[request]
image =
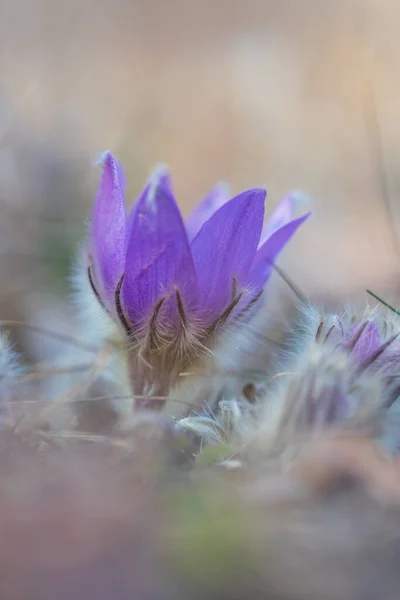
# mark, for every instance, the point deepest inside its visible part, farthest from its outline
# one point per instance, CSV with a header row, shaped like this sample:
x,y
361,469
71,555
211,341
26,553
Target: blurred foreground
x,y
102,522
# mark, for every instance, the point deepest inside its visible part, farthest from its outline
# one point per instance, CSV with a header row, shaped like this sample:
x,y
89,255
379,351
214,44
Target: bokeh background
x,y
287,94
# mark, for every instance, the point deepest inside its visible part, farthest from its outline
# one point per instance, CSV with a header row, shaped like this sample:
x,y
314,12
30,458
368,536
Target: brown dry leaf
x,y
330,460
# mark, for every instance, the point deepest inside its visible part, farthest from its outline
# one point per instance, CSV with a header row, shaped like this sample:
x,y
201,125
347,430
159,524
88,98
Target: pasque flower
x,y
370,338
174,287
344,365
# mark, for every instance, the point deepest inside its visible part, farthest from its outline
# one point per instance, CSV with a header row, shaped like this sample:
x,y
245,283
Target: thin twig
x,y
290,283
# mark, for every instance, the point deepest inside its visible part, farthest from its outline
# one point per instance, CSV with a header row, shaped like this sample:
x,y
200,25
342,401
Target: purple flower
x,y
362,340
324,389
173,286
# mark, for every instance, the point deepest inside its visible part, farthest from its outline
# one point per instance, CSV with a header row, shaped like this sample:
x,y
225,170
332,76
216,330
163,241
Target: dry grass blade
x,y
80,388
375,136
87,437
52,373
222,372
61,337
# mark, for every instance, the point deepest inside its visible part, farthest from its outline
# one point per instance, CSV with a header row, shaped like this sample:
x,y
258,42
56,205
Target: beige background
x,y
256,92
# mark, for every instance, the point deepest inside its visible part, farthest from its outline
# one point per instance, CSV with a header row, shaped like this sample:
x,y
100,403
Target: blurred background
x,y
284,94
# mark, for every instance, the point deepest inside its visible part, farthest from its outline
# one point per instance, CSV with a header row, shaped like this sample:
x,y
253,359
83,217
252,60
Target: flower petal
x,y
224,249
215,198
132,210
108,229
158,255
159,170
263,263
368,343
282,215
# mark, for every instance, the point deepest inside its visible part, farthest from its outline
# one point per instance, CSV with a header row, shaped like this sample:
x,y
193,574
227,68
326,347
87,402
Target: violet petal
x,y
158,255
215,198
132,210
224,249
108,229
282,215
369,342
262,266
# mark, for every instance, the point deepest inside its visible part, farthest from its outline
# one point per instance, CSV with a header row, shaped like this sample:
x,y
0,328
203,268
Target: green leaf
x,y
215,454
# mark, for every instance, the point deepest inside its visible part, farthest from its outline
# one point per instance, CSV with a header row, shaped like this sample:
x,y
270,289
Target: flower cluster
x,y
370,338
173,287
342,371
